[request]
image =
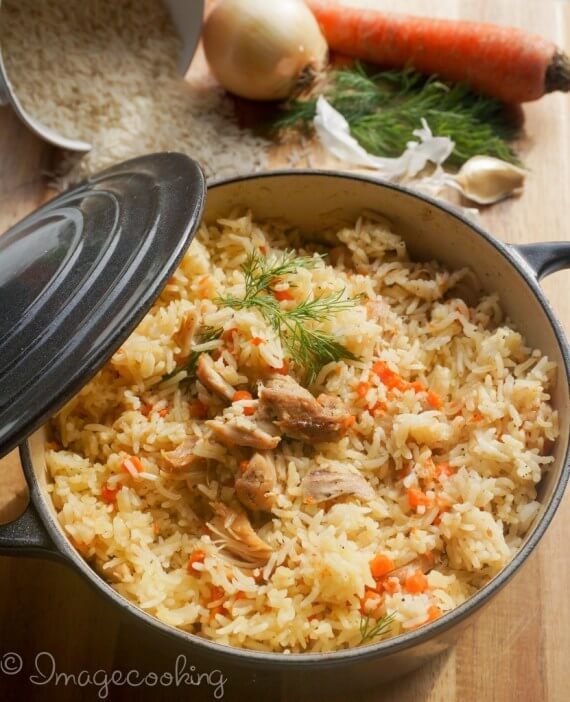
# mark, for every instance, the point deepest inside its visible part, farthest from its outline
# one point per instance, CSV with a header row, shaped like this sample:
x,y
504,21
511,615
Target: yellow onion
x,y
258,49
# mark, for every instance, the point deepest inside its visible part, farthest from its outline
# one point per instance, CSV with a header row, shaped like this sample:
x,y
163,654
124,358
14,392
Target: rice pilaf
x,y
395,481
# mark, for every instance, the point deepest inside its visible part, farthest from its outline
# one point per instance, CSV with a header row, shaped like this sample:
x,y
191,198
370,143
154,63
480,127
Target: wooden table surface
x,y
519,647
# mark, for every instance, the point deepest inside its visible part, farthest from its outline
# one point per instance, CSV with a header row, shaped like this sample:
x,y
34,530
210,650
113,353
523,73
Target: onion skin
x,y
258,49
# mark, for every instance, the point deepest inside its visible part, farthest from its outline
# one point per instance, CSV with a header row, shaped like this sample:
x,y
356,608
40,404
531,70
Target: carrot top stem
x,y
558,73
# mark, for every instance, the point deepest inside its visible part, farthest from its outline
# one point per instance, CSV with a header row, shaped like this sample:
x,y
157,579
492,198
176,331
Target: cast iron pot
x,y
315,201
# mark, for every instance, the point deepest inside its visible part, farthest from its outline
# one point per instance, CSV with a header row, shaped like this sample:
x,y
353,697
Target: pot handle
x,y
545,258
27,536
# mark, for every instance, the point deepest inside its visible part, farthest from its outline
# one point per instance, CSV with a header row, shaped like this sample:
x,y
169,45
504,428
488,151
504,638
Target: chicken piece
x,y
237,536
211,379
185,334
300,415
423,562
181,457
254,489
326,484
241,431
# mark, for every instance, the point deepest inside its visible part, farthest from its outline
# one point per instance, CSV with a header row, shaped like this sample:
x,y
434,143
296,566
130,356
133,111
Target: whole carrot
x,y
507,63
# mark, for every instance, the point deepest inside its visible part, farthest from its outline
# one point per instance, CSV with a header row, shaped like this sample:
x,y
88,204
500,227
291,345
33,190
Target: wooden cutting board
x,y
518,649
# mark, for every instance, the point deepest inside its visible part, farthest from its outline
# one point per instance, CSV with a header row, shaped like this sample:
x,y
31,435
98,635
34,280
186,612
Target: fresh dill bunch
x,y
207,334
261,273
310,348
383,109
369,631
313,348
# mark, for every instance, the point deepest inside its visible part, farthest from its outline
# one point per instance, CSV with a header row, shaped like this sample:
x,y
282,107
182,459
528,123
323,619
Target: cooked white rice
x,y
491,434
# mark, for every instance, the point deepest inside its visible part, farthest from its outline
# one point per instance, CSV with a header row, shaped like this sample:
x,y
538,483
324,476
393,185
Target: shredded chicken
x,y
325,484
300,415
242,431
255,488
211,379
237,536
185,334
181,457
423,563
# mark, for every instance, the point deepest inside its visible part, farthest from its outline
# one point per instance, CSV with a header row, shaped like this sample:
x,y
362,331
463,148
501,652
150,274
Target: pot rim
x,y
277,660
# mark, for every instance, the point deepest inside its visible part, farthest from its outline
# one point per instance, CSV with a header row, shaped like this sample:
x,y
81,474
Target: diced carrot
x,y
434,400
417,386
240,395
163,412
390,585
434,612
108,494
198,410
196,557
370,601
131,465
444,506
228,334
388,377
146,409
282,295
349,421
477,417
416,498
216,593
378,409
256,341
362,388
205,287
406,470
381,565
243,466
240,595
248,411
416,583
216,610
442,470
284,370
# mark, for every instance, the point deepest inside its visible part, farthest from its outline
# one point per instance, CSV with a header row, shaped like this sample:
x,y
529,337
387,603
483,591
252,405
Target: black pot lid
x,y
78,275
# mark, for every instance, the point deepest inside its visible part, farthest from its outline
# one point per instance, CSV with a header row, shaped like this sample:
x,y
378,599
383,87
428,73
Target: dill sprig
x,y
383,109
382,626
310,348
207,334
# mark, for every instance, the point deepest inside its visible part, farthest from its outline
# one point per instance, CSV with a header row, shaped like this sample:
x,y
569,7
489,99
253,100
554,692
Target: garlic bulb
x,y
257,49
485,180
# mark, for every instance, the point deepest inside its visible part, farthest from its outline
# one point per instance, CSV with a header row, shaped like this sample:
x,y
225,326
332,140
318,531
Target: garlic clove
x,y
485,180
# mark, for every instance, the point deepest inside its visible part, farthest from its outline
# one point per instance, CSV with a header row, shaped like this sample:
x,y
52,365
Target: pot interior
x,y
316,202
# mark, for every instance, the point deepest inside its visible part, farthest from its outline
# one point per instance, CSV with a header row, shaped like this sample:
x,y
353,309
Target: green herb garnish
x,y
370,631
207,334
310,348
383,109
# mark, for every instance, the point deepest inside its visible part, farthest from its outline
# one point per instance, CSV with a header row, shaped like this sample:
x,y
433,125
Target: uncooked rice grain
x,y
106,73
